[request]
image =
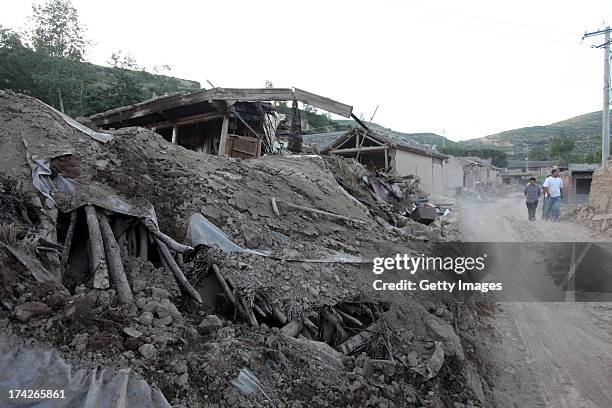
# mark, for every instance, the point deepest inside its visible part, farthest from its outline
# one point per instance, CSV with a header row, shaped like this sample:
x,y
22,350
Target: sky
x,y
465,69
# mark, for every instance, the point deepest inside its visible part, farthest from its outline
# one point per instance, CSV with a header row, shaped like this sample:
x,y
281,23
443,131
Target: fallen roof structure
x,y
221,121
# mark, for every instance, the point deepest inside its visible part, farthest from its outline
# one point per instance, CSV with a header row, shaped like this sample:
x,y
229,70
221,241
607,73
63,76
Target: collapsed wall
x,y
294,305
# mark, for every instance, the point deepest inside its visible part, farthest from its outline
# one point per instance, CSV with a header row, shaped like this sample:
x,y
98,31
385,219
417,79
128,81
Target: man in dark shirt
x,y
532,195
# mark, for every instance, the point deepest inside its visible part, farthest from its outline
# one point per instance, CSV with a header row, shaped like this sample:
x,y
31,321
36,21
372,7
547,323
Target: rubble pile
x,y
219,281
597,213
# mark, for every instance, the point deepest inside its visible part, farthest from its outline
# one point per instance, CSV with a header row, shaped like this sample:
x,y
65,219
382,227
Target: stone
x,y
159,294
252,238
132,332
412,358
148,351
167,308
29,310
210,323
141,302
440,312
138,285
146,318
183,380
163,322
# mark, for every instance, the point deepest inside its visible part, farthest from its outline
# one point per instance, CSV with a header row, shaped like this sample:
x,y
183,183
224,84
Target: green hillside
x,y
584,130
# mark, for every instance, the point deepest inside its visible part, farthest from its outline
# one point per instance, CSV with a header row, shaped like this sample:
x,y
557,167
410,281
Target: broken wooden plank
x,y
99,268
323,102
358,340
359,149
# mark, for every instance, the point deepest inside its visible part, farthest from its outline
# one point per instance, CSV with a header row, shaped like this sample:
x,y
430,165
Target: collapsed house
x,y
477,170
220,121
217,281
438,173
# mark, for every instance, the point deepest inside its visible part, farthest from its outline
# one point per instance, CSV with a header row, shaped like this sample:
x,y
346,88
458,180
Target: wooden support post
x,y
175,133
223,139
143,242
74,215
113,258
386,159
98,259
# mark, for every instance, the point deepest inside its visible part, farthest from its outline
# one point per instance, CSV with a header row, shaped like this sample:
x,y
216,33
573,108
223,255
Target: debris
x,y
248,384
210,324
29,310
132,332
148,351
424,215
431,369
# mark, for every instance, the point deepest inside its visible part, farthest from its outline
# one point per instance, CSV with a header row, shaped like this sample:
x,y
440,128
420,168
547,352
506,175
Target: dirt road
x,y
552,354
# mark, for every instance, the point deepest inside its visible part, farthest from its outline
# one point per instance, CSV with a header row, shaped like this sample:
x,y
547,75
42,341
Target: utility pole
x,y
605,127
526,156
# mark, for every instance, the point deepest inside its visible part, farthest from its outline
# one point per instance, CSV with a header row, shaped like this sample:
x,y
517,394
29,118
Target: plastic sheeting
x,y
38,369
203,232
99,136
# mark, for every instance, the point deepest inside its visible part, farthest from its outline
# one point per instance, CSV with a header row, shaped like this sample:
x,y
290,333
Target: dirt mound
x,y
312,333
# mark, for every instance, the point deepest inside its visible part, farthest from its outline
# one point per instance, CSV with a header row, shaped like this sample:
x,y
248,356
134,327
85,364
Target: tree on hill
x,y
58,38
561,148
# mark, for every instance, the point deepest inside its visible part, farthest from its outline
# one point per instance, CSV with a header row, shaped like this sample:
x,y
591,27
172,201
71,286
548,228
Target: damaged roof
x,y
179,104
392,141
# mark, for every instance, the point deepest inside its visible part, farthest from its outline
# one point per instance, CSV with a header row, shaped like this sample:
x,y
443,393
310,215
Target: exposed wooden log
x,y
170,264
279,315
169,241
74,216
223,283
291,329
323,103
115,266
274,206
346,316
358,340
99,268
320,212
143,242
191,120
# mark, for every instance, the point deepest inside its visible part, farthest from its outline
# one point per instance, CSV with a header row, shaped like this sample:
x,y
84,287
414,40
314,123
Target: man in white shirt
x,y
553,189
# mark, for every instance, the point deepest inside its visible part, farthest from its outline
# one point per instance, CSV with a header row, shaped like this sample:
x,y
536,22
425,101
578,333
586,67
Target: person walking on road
x,y
553,189
532,196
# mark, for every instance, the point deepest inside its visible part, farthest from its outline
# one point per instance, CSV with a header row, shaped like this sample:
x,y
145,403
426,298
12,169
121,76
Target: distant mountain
x,y
585,130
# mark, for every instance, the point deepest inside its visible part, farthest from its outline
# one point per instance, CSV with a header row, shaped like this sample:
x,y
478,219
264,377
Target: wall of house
x,y
453,175
430,170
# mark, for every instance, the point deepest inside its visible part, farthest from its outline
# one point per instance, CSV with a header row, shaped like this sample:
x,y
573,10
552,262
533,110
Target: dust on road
x,y
553,354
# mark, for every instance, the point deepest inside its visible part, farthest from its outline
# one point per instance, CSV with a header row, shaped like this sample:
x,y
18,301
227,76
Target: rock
x,y
167,308
252,238
159,294
183,380
151,306
412,358
80,289
79,342
162,322
132,332
209,324
148,351
141,302
444,332
385,367
440,312
146,318
29,310
138,285
286,288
